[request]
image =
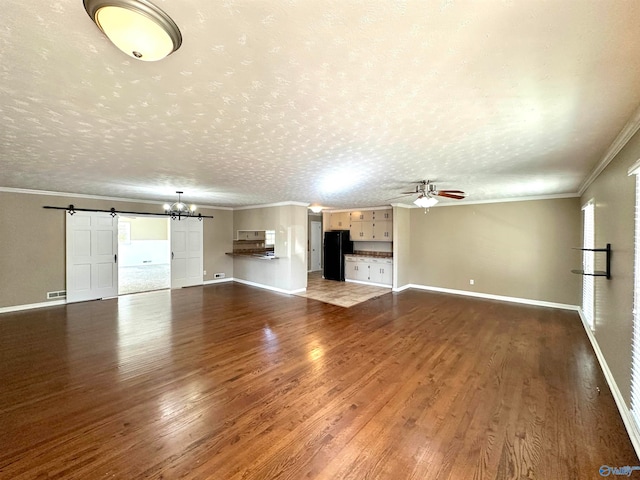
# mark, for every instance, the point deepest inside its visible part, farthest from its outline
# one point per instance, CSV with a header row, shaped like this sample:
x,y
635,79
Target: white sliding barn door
x,y
92,249
186,253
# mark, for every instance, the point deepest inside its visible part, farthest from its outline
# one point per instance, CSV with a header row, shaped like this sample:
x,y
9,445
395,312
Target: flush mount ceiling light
x,y
316,209
137,27
179,209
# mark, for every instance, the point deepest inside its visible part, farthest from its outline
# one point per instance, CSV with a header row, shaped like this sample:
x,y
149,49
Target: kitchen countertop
x,y
258,256
388,256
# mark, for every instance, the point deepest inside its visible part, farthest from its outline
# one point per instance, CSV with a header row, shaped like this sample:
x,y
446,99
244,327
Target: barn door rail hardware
x,y
71,209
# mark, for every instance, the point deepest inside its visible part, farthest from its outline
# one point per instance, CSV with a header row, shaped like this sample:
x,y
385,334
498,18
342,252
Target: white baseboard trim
x,y
625,413
220,280
489,296
373,284
29,306
402,288
269,287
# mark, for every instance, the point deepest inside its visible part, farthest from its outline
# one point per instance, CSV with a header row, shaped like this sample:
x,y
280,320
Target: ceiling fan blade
x,y
406,194
450,195
453,191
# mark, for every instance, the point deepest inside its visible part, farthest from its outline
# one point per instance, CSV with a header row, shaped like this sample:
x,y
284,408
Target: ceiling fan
x,y
427,193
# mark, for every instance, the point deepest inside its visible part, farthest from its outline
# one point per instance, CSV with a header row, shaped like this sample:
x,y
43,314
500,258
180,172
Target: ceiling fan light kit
x,y
427,193
137,27
424,201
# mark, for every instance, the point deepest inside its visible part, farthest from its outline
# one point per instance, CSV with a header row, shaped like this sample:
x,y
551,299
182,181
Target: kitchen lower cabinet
x,y
381,271
369,269
356,268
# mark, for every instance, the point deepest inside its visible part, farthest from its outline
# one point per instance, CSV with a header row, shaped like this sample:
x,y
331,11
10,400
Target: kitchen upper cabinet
x,y
340,221
383,230
363,216
251,235
363,225
362,231
386,215
372,226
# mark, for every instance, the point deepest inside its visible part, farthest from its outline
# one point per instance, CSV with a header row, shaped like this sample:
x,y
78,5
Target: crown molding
x,y
94,197
635,168
628,131
500,200
278,204
338,210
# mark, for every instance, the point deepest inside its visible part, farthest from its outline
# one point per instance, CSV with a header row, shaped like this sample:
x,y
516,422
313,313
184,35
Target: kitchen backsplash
x,y
373,246
370,253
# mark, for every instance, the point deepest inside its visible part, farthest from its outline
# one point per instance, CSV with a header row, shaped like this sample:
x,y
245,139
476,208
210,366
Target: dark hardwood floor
x,y
232,382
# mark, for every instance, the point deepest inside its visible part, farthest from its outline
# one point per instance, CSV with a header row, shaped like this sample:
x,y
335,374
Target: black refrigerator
x,y
336,245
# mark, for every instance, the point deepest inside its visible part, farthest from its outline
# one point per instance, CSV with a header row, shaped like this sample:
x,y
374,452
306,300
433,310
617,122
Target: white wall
x,y
144,252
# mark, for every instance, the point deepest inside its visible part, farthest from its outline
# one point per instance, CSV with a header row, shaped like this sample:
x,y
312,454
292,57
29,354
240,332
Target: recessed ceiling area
x,y
331,102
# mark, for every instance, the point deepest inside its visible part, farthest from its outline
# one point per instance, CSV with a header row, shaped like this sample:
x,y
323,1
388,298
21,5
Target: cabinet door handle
x,y
115,258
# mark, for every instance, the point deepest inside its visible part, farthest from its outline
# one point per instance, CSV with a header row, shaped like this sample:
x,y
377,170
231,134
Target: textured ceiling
x,y
334,102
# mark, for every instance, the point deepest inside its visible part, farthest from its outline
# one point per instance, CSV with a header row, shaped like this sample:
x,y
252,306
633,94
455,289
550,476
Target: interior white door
x,y
316,246
92,253
186,253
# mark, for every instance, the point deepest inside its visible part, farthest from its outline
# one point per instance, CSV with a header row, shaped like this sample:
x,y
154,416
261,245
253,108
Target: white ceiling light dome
x,y
425,201
137,27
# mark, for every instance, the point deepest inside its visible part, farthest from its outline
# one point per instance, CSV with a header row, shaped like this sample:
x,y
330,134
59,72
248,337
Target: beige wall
x,y
32,244
218,238
614,195
401,246
289,271
514,249
146,228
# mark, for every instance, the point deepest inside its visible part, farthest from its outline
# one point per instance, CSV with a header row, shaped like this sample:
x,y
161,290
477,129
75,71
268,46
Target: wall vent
x,y
59,294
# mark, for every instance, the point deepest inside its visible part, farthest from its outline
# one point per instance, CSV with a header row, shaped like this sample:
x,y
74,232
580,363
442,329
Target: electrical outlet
x,y
472,282
205,273
218,275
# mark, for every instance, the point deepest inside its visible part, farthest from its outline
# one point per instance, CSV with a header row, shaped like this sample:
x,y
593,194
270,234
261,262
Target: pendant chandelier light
x,y
137,27
179,209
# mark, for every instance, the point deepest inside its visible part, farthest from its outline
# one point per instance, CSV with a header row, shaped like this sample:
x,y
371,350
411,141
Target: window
x,y
124,233
270,238
635,343
588,262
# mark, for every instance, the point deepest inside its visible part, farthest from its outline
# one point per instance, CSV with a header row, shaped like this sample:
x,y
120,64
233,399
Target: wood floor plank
x,y
232,382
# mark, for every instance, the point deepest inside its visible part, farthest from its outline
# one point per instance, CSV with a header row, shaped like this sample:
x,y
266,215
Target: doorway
x,y
144,252
316,246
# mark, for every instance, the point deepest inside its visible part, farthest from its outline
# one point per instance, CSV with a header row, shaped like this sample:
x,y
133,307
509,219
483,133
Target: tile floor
x,y
343,294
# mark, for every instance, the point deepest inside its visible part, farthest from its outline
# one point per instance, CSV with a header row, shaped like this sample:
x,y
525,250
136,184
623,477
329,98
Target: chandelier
x,y
179,209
